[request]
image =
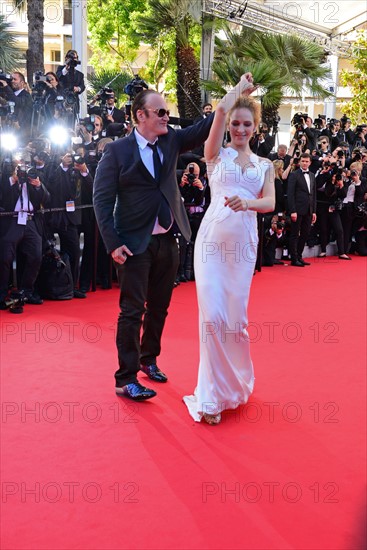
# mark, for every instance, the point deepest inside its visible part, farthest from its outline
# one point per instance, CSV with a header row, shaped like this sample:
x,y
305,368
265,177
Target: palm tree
x,y
9,52
279,63
35,51
100,79
164,17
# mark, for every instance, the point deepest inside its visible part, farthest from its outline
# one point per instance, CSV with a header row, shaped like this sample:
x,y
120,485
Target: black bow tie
x,y
306,172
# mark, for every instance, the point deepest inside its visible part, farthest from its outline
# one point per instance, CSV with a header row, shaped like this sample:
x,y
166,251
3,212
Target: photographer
x,y
193,187
311,133
53,90
360,136
281,154
66,186
71,79
356,190
90,129
336,191
21,192
262,142
17,92
273,239
107,107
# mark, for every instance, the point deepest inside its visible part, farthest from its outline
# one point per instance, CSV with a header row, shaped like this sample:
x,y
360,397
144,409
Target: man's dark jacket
x,y
126,196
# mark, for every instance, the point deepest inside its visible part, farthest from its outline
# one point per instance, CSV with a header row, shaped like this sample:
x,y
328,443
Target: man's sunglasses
x,y
159,112
323,142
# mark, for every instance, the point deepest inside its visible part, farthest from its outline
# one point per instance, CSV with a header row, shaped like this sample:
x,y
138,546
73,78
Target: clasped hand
x,y
236,203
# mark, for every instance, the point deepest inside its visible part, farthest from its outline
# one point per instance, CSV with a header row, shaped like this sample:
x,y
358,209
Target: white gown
x,y
225,257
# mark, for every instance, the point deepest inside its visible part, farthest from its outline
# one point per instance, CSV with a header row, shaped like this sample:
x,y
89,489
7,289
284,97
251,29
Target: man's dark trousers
x,y
146,283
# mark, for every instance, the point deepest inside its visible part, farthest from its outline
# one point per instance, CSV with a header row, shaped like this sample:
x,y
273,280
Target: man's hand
x,y
294,216
120,254
81,167
35,182
67,160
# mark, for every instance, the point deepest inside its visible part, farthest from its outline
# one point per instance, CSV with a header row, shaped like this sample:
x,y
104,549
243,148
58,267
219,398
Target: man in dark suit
x,y
136,200
17,93
22,231
67,186
71,79
302,208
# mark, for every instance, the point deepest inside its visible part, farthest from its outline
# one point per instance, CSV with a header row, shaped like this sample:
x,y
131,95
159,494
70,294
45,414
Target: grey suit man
x,y
135,189
302,208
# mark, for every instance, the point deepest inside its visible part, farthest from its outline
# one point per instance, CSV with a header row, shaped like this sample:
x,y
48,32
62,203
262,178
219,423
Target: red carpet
x,y
84,469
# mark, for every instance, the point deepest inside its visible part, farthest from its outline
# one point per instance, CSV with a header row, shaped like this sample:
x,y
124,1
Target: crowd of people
x,y
46,188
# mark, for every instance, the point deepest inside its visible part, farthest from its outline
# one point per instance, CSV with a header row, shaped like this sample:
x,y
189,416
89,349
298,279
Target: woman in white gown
x,y
241,184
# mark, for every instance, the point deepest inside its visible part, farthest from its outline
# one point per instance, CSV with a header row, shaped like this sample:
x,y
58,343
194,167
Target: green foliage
x,y
113,39
9,52
103,77
279,64
356,79
174,35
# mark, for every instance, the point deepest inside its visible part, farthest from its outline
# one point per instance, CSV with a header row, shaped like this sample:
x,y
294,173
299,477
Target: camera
x,y
39,85
362,210
8,110
102,96
88,123
340,154
353,173
344,120
297,119
191,176
318,122
5,77
338,204
72,62
24,172
78,159
135,86
66,102
15,302
280,221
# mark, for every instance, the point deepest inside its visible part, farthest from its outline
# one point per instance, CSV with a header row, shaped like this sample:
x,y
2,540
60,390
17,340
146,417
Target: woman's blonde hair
x,y
246,102
278,165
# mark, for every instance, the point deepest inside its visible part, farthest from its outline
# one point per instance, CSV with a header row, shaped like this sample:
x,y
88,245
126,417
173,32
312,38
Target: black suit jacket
x,y
67,185
71,79
300,199
9,195
126,196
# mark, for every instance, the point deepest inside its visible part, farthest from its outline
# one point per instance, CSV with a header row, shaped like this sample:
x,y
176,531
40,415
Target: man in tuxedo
x,y
302,208
71,79
136,201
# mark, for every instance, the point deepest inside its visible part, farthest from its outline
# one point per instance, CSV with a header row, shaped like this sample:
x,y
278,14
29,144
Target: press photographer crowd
x,y
49,157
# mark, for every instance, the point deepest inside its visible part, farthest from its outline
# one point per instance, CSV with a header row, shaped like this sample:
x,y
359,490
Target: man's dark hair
x,y
140,102
71,52
207,105
305,156
21,76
